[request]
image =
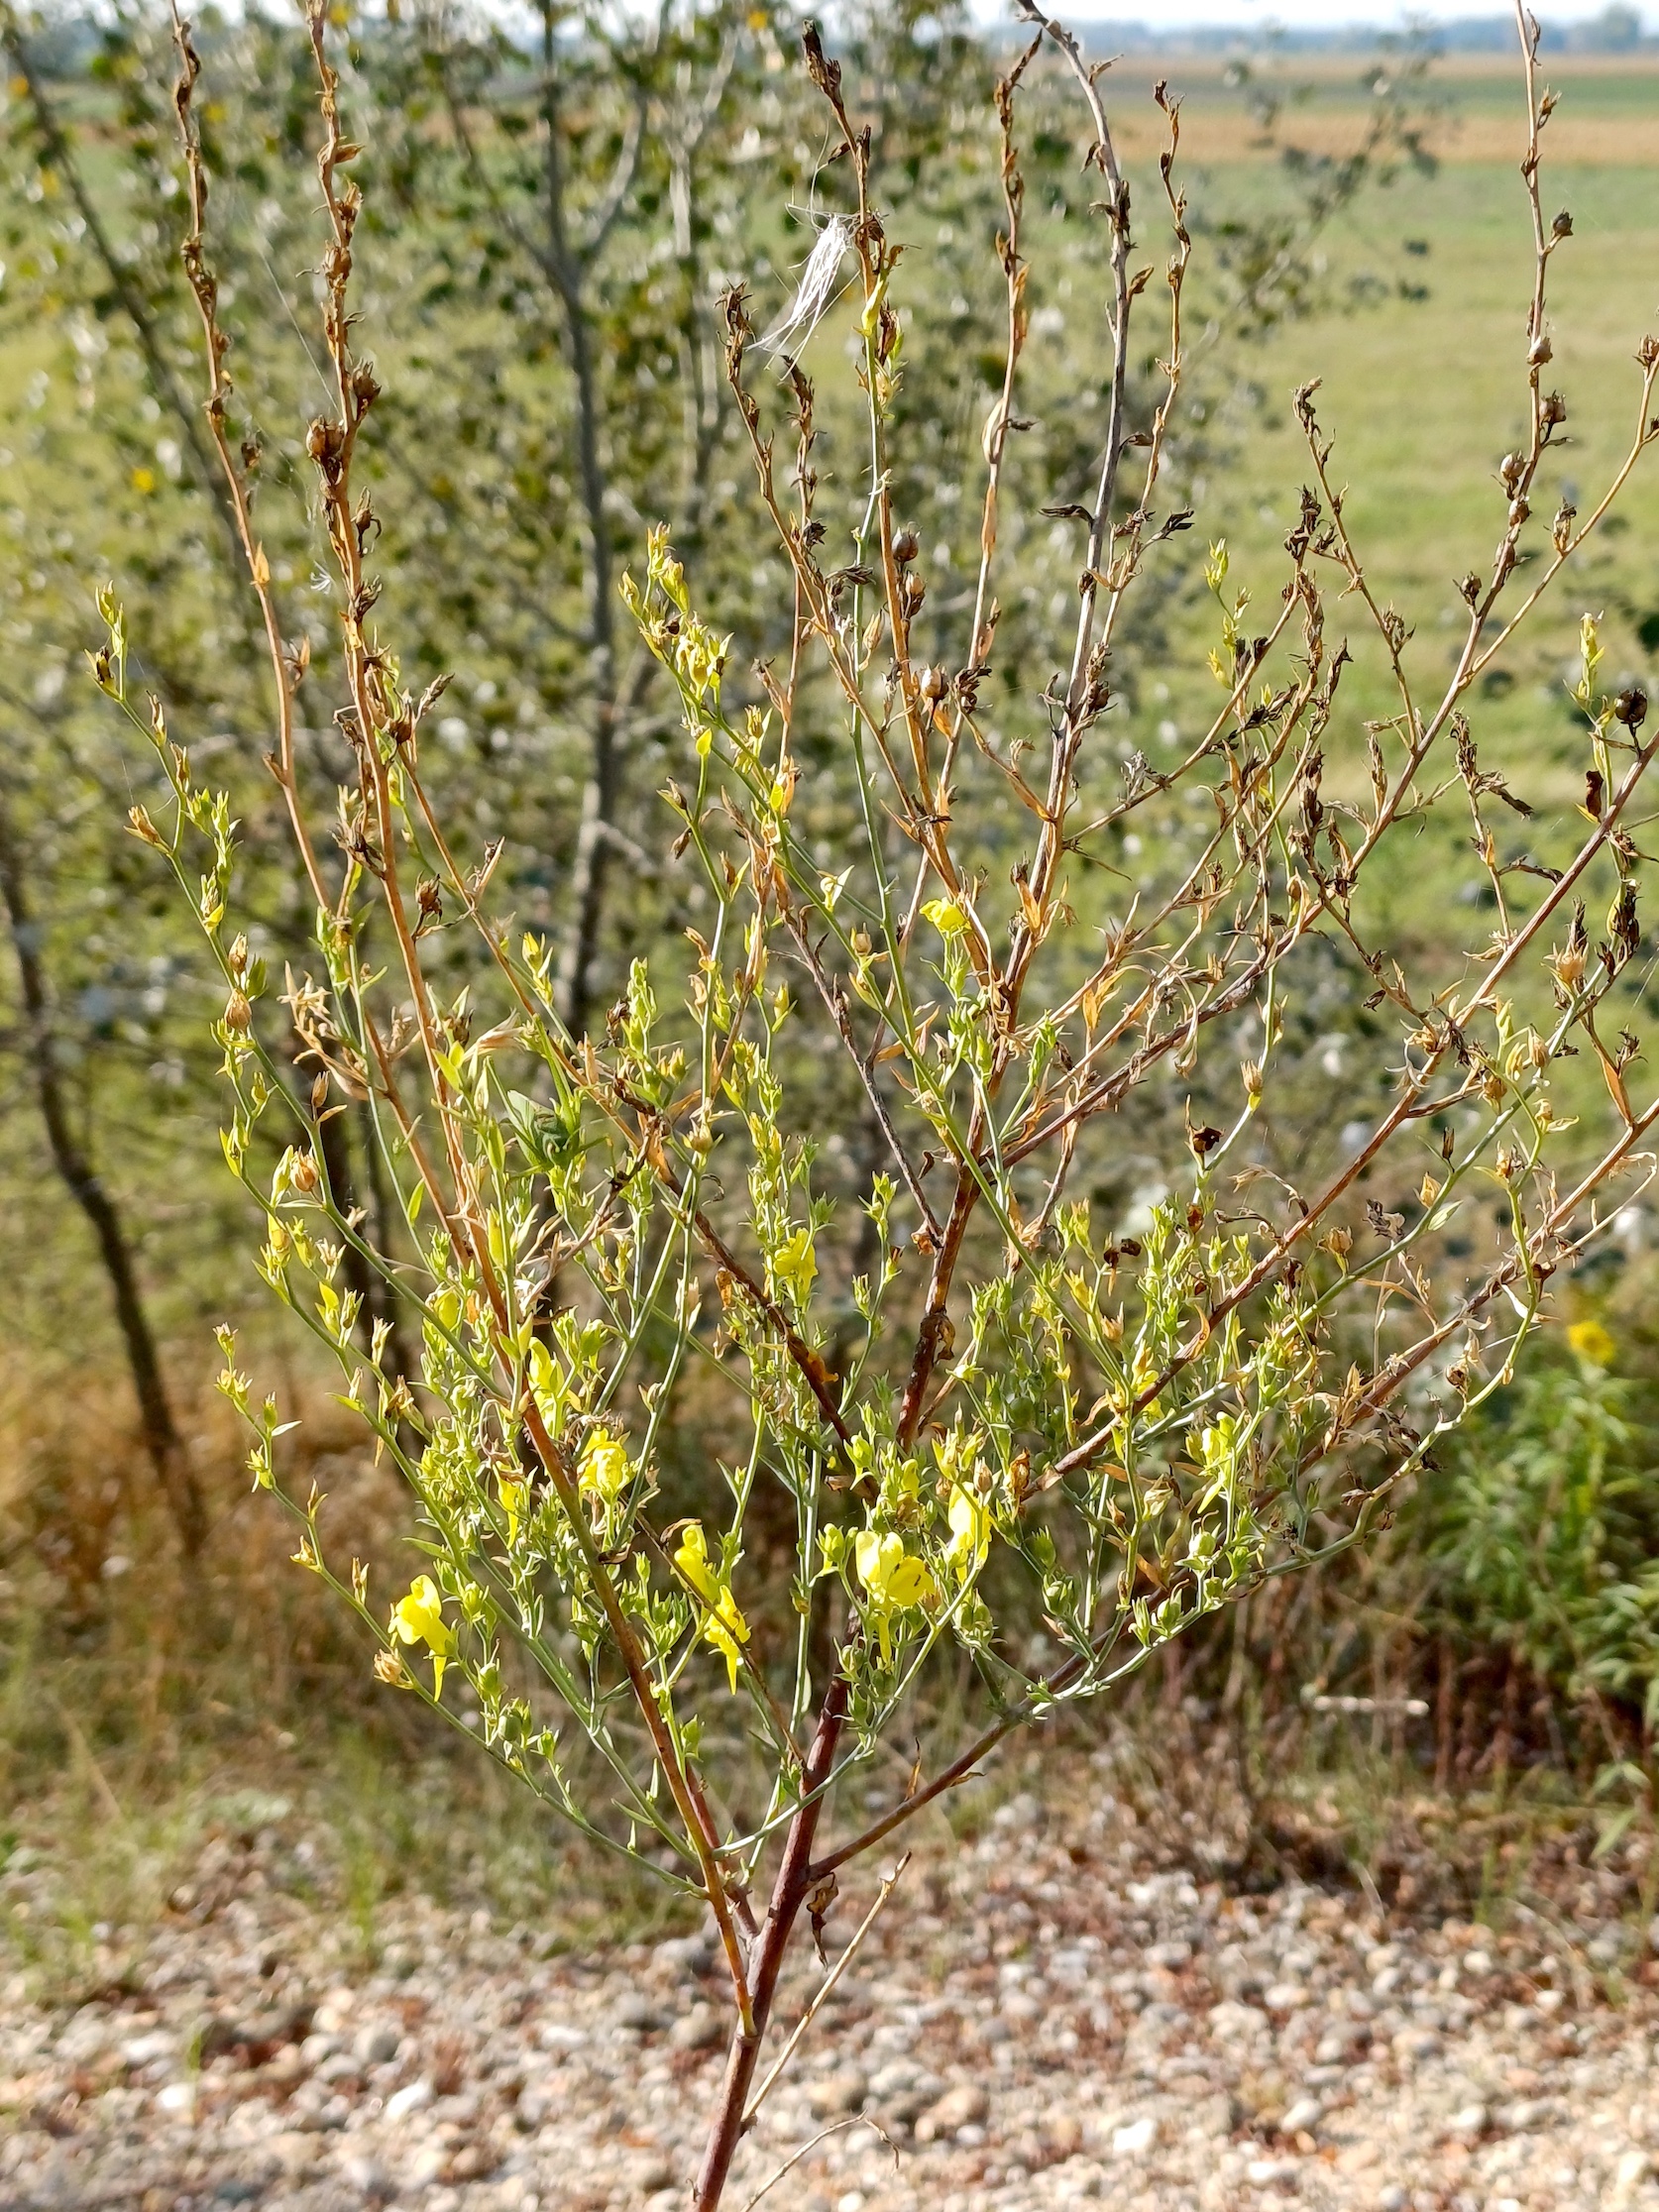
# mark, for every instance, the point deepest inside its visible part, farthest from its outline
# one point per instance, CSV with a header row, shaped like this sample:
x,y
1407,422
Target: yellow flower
x,y
894,1580
1592,1341
946,917
419,1618
724,1628
970,1532
691,1559
603,1467
795,1263
144,480
513,1497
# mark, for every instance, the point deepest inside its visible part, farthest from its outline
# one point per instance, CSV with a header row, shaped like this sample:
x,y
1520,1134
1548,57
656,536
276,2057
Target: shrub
x,y
808,1206
1539,1539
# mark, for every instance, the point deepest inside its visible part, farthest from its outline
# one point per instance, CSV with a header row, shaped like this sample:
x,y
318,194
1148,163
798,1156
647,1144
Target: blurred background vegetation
x,y
552,217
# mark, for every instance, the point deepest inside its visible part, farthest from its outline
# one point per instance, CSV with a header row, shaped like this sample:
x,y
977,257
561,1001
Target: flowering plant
x,y
980,1401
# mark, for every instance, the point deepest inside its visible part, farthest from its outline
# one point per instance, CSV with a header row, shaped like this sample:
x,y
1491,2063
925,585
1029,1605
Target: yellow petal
x,y
1592,1341
604,1466
730,1618
970,1530
512,1496
691,1559
866,1555
723,1641
795,1265
418,1618
910,1584
892,1578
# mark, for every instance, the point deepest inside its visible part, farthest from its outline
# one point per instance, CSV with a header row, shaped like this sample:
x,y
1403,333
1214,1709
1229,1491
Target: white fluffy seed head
x,y
819,282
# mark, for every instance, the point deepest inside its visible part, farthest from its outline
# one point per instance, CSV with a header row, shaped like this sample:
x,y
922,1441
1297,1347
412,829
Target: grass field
x,y
1418,338
1420,343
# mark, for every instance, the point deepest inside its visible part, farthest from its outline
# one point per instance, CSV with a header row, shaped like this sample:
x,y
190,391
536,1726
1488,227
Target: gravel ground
x,y
1037,2021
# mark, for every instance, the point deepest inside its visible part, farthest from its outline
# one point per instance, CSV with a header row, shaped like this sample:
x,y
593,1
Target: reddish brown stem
x,y
789,1894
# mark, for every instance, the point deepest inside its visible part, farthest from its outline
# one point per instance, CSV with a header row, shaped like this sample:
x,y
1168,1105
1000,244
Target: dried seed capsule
x,y
1630,707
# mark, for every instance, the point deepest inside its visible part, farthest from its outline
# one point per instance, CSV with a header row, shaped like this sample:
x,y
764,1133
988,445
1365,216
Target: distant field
x,y
1419,344
1608,114
1418,339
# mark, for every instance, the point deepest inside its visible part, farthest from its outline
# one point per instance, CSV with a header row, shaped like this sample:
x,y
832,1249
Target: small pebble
x,y
378,2044
697,2030
834,2095
414,2096
1054,2019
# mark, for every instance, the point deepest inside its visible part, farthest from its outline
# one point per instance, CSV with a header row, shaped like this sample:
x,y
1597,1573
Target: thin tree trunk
x,y
603,785
361,1278
597,835
566,262
566,272
587,873
388,1297
163,1441
375,1300
163,384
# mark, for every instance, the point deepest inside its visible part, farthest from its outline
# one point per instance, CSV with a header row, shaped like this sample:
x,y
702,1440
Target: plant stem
x,y
789,1893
